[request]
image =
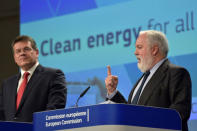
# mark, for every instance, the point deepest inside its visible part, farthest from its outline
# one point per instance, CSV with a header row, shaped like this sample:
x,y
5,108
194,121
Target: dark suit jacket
x,y
169,87
46,90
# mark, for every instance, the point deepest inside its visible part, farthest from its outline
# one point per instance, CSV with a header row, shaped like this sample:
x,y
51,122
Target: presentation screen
x,y
82,37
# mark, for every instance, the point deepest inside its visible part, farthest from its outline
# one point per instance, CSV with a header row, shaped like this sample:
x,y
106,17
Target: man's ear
x,y
155,50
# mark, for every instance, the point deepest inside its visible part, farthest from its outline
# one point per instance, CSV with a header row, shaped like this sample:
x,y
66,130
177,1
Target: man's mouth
x,y
23,58
138,60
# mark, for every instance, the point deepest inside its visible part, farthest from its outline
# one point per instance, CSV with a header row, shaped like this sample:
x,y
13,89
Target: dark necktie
x,y
21,89
136,97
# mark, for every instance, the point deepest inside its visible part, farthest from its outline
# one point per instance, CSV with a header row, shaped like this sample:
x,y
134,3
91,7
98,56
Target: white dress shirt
x,y
31,71
152,71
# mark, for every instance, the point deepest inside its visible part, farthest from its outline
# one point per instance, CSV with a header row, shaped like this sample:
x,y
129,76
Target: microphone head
x,y
81,95
84,92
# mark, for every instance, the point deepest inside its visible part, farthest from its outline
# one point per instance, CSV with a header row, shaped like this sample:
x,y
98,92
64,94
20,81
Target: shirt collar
x,y
31,70
155,67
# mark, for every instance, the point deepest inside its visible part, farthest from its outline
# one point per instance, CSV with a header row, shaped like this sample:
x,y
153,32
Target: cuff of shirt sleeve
x,y
112,95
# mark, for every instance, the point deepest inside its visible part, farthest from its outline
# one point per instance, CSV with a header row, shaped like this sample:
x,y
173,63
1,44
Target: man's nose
x,y
135,52
22,52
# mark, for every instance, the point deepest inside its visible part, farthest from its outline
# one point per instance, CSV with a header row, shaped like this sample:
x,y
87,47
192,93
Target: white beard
x,y
145,63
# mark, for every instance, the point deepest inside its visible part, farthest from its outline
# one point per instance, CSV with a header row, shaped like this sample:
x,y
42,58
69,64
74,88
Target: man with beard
x,y
162,84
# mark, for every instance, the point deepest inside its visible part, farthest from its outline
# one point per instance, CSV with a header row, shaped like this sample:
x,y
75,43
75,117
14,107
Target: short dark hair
x,y
25,38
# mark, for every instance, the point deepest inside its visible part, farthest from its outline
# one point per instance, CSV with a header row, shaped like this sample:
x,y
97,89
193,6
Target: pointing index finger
x,y
108,70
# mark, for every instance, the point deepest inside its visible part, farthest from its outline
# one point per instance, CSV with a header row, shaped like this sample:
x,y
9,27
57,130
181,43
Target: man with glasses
x,y
35,88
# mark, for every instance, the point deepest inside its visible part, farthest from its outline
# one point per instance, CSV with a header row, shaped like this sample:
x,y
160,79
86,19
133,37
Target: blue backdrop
x,y
83,37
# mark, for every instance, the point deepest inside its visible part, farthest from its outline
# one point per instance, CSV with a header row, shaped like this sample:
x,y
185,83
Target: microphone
x,y
81,95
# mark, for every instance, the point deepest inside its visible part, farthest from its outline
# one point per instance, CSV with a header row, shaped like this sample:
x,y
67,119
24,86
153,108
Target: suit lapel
x,y
131,93
13,92
153,82
31,84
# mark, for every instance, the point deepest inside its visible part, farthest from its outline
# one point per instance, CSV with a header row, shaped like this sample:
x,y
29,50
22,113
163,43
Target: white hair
x,y
159,38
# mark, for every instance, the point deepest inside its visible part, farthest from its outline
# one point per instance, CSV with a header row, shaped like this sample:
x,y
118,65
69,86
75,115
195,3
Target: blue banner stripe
x,y
33,10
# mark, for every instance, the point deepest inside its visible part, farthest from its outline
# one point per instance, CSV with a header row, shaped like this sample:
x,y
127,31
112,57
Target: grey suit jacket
x,y
169,87
46,90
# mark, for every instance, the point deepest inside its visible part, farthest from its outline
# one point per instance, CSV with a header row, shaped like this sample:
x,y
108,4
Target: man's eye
x,y
17,51
27,49
139,47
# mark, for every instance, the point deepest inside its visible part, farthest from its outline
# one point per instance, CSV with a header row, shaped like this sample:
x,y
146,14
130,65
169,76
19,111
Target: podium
x,y
15,126
108,117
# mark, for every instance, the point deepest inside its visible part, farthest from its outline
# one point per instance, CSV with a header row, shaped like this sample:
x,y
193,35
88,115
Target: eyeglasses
x,y
26,49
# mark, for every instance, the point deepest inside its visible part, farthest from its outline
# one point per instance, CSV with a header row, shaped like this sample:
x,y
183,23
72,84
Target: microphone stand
x,y
81,95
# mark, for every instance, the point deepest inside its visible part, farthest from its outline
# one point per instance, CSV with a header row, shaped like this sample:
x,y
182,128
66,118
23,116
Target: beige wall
x,y
9,29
